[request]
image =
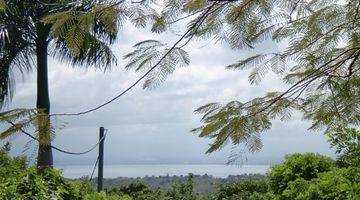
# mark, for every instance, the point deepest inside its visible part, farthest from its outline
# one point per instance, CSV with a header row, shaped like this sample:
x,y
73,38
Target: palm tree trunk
x,y
45,157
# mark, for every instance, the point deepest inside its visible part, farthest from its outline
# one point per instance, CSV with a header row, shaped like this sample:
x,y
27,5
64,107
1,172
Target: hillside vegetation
x,y
300,176
203,184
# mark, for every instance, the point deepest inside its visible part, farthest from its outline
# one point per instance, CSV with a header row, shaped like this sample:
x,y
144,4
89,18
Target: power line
x,y
64,151
57,148
93,171
194,26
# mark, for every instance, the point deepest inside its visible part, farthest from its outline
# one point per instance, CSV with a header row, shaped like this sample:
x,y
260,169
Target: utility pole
x,y
101,159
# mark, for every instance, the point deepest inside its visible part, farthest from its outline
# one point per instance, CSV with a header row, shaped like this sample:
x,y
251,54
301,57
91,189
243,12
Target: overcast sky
x,y
152,126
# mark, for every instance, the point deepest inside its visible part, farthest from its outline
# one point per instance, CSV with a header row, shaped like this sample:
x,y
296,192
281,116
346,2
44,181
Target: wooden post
x,y
101,159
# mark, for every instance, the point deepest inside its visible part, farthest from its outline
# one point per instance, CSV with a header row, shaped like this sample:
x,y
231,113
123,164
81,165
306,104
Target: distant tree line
x,y
203,184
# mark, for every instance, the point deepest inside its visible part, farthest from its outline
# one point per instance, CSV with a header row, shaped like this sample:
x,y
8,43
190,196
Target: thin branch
x,y
333,99
353,63
187,16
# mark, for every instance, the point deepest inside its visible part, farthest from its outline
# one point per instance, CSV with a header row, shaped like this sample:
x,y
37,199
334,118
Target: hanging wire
x,y
93,171
57,148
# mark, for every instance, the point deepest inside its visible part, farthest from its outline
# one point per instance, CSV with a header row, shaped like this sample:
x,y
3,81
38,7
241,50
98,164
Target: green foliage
x,y
215,116
19,182
137,191
84,37
193,5
319,64
23,118
15,47
17,121
150,52
183,191
202,184
346,142
311,176
300,176
336,184
244,190
104,196
305,166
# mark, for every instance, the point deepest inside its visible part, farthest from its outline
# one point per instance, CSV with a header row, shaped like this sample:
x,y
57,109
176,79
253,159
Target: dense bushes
x,y
18,182
306,176
21,183
298,166
300,176
346,142
136,190
336,184
139,191
202,184
247,189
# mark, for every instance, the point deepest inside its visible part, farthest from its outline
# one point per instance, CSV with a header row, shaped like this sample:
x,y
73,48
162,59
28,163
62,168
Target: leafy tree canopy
x,y
346,142
320,64
304,166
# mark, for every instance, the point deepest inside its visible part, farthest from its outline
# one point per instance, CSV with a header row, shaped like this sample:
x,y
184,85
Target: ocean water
x,y
142,170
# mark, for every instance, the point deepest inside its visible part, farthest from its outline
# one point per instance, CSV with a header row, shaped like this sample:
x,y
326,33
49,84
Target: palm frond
x,y
16,48
14,54
17,120
84,38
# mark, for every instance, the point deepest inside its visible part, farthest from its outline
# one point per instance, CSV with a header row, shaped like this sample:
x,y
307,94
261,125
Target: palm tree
x,y
30,30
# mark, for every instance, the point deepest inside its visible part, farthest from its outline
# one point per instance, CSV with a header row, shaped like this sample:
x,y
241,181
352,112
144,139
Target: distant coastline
x,y
155,170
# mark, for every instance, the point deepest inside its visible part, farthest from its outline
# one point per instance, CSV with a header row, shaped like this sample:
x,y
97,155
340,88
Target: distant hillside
x,y
204,184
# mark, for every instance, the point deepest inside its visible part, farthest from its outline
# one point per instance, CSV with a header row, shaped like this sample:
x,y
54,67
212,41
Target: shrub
x,y
183,191
346,142
243,190
21,183
104,196
306,166
137,190
340,184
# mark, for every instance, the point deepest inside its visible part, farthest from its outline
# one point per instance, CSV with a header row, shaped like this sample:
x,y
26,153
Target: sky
x,y
153,126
